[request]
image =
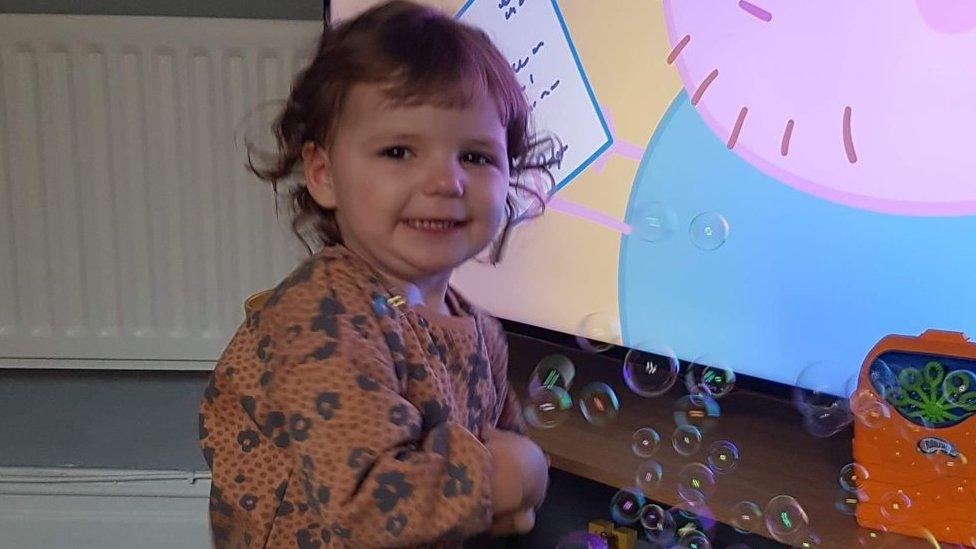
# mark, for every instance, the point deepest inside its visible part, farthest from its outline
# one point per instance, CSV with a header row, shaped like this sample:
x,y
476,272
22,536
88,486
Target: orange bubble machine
x,y
915,437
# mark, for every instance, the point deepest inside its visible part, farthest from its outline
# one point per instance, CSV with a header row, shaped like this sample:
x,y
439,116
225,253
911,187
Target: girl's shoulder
x,y
330,281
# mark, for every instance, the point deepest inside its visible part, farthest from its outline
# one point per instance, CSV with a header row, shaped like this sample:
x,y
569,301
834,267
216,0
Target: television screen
x,y
760,184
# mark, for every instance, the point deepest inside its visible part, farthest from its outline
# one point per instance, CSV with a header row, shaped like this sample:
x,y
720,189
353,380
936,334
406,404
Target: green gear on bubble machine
x,y
929,396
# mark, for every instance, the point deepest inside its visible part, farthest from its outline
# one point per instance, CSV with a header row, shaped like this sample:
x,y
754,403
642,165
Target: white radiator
x,y
130,231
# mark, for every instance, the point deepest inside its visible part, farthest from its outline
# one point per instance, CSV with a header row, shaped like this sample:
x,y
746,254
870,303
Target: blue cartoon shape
x,y
799,280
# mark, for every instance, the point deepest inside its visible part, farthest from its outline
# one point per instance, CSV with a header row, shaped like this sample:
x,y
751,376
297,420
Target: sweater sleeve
x,y
375,468
509,412
241,513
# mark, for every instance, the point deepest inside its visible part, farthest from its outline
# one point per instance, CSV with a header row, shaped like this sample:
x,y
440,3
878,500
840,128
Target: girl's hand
x,y
516,522
520,474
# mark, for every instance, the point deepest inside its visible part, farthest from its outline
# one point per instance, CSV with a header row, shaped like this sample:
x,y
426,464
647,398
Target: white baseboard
x,y
102,509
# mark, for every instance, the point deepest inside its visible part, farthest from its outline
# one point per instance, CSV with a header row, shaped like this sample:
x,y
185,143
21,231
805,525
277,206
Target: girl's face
x,y
417,190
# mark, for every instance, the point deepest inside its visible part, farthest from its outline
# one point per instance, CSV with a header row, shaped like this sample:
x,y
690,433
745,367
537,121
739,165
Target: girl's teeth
x,y
428,224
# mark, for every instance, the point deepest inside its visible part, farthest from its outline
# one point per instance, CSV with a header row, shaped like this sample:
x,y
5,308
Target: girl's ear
x,y
318,175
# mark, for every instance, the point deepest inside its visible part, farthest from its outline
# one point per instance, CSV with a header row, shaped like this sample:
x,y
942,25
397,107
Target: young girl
x,y
366,402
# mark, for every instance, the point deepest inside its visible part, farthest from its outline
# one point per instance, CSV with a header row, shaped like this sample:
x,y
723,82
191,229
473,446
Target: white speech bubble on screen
x,y
533,36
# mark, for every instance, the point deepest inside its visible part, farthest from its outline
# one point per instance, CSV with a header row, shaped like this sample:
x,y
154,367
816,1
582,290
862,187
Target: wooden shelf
x,y
777,456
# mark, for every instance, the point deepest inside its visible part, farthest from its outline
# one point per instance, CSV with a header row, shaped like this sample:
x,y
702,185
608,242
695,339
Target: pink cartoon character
x,y
866,104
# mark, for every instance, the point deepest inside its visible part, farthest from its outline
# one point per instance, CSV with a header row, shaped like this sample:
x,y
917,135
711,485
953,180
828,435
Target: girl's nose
x,y
447,180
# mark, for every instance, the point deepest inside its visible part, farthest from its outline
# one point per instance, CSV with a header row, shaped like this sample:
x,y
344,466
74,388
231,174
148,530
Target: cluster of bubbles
x,y
690,523
687,524
549,401
657,222
651,371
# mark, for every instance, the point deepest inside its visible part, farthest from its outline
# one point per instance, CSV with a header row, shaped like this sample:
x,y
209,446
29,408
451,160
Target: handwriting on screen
x,y
531,35
509,7
523,63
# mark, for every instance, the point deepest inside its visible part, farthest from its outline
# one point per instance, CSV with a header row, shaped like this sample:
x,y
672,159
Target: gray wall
x,y
100,419
115,419
275,9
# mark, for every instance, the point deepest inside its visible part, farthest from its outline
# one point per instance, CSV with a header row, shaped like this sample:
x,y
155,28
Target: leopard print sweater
x,y
334,419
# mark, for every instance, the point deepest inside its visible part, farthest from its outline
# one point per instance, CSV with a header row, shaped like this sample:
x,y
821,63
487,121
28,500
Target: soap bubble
x,y
708,231
871,538
945,465
846,503
553,371
686,440
549,401
723,456
825,424
895,506
746,517
645,442
785,519
548,407
650,373
649,475
709,375
808,540
693,539
699,410
883,379
598,332
626,505
658,524
696,483
926,534
957,383
824,413
852,477
599,403
869,409
911,433
690,515
654,221
582,540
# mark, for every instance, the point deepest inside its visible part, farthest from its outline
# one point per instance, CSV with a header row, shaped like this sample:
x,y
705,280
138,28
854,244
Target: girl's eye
x,y
477,158
398,153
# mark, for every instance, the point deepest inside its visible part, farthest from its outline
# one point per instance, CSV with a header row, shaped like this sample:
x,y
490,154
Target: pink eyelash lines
x,y
755,11
848,141
704,86
676,51
784,148
738,127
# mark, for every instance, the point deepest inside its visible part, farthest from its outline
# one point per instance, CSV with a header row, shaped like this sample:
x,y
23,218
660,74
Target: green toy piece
x,y
931,397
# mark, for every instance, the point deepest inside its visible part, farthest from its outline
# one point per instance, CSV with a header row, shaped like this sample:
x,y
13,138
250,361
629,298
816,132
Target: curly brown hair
x,y
425,57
